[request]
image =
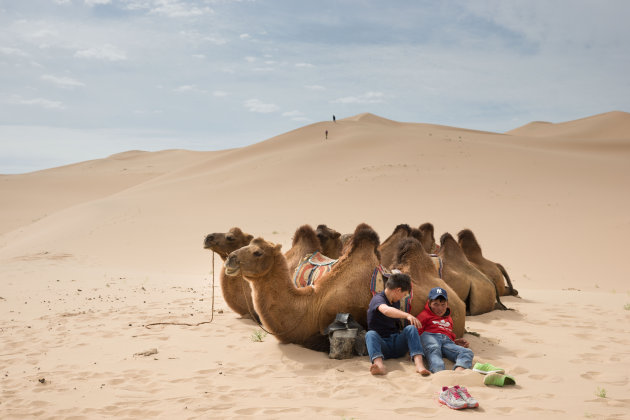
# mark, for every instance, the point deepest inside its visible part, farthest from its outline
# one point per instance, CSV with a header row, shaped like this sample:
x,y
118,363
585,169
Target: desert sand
x,y
91,253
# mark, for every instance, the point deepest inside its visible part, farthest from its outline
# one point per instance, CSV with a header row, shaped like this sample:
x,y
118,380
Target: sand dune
x,y
91,252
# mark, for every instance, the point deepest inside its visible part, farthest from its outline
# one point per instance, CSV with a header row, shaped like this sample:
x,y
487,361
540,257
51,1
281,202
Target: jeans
x,y
396,345
438,345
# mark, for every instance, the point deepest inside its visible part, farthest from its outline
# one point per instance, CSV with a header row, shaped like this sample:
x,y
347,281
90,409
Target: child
x,y
438,339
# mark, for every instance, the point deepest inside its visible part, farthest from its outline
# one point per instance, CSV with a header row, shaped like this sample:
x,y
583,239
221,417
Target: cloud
x,y
250,59
96,2
294,113
12,51
256,105
366,98
314,87
219,93
303,65
41,102
62,81
188,88
107,52
169,8
244,36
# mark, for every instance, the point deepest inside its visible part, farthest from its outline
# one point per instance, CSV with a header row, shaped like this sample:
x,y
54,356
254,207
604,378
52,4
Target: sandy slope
x,y
91,252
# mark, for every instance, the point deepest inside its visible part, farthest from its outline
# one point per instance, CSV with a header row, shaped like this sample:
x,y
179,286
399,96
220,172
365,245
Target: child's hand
x,y
414,321
461,342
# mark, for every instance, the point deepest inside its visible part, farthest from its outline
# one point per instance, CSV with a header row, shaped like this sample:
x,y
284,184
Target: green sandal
x,y
499,379
486,368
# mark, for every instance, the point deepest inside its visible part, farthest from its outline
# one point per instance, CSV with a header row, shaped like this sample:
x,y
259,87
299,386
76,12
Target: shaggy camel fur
x,y
492,270
300,316
330,240
427,238
413,260
389,247
236,291
471,285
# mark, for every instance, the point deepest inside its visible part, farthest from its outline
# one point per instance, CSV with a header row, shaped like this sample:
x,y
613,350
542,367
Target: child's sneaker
x,y
463,392
451,398
487,368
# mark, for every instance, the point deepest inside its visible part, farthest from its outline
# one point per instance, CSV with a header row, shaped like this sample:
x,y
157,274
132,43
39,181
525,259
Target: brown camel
x,y
471,285
389,248
236,291
330,241
492,270
413,260
427,239
300,315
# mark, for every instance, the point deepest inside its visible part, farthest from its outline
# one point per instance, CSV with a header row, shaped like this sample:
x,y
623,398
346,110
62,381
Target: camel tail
x,y
318,342
512,290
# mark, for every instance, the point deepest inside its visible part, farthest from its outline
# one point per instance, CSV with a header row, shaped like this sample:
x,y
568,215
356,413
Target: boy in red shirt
x,y
438,339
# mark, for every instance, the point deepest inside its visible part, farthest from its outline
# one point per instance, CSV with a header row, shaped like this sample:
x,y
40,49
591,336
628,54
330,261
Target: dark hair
x,y
399,280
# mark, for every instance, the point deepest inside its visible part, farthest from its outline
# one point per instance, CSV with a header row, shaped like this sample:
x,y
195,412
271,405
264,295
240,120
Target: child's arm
x,y
391,312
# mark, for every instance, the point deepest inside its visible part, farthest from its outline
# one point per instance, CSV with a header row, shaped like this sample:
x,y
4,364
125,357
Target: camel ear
x,y
336,235
249,238
277,247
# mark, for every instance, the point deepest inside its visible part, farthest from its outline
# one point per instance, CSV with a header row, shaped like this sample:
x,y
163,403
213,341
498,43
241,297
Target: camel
x,y
389,247
236,291
427,238
300,316
494,271
471,285
413,260
330,241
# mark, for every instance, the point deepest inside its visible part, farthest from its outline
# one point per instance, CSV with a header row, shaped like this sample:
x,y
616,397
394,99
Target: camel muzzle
x,y
232,265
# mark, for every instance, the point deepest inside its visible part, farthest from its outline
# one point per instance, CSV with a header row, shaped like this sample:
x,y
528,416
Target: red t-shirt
x,y
436,324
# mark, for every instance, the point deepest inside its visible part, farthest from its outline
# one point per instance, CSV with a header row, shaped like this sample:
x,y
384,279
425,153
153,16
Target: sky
x,y
84,79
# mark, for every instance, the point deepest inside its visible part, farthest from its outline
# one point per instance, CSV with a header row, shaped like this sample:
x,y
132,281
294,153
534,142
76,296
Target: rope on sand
x,y
186,324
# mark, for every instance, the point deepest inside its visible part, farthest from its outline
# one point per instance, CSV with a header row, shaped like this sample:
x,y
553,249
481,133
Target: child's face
x,y
438,306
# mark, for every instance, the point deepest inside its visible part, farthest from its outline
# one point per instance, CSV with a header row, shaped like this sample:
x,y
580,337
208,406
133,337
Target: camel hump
x,y
468,241
305,232
407,247
364,234
403,227
427,228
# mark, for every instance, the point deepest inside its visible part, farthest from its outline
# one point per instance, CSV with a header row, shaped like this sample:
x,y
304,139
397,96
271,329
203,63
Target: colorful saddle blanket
x,y
377,285
312,267
437,262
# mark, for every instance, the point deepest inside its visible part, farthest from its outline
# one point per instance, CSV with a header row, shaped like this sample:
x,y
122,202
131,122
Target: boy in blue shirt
x,y
384,340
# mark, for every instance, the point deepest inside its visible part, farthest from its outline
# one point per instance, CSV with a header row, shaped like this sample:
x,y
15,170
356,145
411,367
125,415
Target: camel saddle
x,y
311,268
437,262
377,285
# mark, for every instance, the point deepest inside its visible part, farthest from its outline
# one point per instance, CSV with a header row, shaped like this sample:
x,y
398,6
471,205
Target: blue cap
x,y
436,292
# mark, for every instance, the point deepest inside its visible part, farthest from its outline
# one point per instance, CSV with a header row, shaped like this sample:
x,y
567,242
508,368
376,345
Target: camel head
x,y
224,243
468,242
330,241
253,260
427,237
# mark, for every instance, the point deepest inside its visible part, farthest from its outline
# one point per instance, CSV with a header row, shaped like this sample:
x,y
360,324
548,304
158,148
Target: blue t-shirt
x,y
383,325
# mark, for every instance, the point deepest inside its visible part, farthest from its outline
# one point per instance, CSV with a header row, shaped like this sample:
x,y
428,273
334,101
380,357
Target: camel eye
x,y
258,253
229,238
